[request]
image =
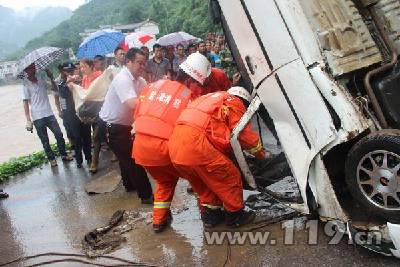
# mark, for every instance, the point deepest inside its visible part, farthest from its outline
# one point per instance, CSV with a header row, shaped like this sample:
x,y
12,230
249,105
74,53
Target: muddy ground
x,y
48,211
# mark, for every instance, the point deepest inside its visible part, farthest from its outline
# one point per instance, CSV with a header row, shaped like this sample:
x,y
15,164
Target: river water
x,y
15,141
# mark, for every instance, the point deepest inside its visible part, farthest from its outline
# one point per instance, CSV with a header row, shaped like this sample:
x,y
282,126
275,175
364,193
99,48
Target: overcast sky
x,y
20,4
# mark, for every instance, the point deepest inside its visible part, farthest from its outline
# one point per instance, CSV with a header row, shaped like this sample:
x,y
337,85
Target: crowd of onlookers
x,y
166,60
162,63
170,115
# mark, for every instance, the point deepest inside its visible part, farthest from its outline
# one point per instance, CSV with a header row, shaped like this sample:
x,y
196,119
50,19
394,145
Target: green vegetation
x,y
18,165
190,16
171,15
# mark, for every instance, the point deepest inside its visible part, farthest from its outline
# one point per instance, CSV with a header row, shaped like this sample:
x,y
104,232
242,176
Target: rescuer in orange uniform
x,y
199,148
160,104
216,81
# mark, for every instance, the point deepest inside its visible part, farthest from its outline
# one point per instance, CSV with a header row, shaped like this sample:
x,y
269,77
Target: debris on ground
x,y
178,210
108,238
104,184
268,209
285,190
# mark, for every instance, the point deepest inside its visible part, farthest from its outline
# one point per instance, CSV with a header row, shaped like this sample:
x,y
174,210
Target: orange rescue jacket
x,y
160,104
189,145
199,113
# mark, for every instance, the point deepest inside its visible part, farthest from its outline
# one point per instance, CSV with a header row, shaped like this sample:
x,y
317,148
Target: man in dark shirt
x,y
158,67
202,49
192,48
79,132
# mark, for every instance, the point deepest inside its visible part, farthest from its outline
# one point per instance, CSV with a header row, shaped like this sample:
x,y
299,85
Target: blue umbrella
x,y
101,43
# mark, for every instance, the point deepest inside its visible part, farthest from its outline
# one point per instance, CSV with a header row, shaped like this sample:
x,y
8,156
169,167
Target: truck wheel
x,y
372,174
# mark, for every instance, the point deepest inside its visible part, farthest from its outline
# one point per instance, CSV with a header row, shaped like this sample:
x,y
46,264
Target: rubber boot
x,y
239,218
211,217
158,228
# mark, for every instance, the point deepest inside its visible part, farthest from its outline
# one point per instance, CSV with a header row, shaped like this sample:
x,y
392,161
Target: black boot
x,y
239,218
211,217
158,228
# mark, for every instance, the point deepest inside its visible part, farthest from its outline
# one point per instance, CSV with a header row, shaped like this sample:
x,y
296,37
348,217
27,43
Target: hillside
x,y
171,15
18,27
182,15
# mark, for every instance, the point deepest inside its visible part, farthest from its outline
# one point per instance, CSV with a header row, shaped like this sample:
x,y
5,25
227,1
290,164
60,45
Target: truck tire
x,y
373,176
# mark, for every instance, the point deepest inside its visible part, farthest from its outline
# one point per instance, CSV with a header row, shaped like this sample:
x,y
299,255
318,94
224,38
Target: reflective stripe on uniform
x,y
225,110
255,149
162,205
211,206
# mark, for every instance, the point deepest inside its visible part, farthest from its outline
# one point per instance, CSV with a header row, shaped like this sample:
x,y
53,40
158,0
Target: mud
x,y
110,237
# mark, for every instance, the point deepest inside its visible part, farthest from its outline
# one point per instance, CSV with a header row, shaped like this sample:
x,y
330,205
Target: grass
x,y
21,164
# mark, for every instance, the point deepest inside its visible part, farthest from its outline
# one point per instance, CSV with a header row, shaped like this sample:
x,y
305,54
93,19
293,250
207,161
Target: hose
x,y
126,262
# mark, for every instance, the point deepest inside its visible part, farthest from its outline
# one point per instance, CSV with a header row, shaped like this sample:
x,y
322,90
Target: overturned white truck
x,y
325,78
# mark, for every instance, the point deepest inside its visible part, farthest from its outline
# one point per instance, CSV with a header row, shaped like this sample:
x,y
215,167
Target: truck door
x,y
263,48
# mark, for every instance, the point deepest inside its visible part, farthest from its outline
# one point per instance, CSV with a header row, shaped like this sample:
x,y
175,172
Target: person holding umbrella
x,y
99,62
38,112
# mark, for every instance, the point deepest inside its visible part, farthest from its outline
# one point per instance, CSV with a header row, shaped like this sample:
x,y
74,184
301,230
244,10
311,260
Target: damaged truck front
x,y
324,76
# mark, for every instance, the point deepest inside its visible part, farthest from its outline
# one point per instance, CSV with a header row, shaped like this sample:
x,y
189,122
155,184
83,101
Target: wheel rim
x,y
379,180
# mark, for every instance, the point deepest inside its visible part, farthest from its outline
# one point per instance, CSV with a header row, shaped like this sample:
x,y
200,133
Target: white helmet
x,y
240,92
197,66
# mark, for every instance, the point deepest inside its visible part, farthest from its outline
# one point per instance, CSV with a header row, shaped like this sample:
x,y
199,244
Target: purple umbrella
x,y
177,38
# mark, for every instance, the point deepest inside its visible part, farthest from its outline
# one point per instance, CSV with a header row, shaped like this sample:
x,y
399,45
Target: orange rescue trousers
x,y
216,183
166,178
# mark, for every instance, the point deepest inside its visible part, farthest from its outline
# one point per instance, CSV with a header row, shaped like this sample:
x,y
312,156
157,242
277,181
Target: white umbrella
x,y
176,38
42,57
138,39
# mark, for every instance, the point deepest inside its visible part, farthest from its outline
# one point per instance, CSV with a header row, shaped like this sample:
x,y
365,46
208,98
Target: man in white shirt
x,y
38,110
117,117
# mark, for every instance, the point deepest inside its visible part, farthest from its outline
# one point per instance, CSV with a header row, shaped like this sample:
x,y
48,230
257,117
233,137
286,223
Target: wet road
x,y
48,211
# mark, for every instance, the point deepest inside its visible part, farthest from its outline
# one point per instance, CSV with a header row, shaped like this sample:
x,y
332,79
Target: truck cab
x,y
324,77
